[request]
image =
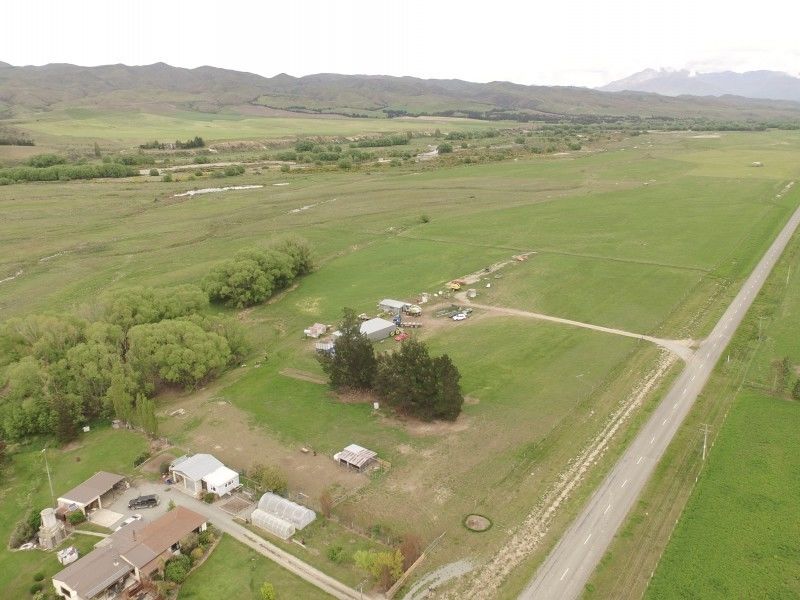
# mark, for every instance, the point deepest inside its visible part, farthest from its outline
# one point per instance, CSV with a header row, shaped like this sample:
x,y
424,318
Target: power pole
x,y
49,479
705,439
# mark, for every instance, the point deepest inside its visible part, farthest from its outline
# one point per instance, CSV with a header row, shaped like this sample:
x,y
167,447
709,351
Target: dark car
x,y
148,501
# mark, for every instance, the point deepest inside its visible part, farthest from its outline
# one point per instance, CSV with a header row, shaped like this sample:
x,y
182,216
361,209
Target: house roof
x,y
97,485
355,455
220,476
134,545
375,325
94,572
392,303
196,467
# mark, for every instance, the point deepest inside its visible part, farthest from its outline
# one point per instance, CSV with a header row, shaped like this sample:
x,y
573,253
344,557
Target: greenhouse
x,y
275,525
294,513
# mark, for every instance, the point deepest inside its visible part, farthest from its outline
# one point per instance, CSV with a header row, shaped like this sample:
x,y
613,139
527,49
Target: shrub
x,y
200,160
26,528
196,554
76,517
167,178
268,478
46,160
424,219
344,163
36,587
267,591
285,168
336,554
5,181
209,497
177,568
198,173
206,537
141,458
445,148
38,576
170,504
154,172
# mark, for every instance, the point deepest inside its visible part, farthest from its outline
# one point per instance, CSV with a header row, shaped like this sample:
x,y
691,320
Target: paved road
x,y
680,347
224,522
568,567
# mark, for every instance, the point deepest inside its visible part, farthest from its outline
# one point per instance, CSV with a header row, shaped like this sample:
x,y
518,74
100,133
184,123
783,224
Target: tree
x,y
385,567
119,395
418,385
782,371
146,415
796,390
352,365
267,591
326,503
175,351
97,153
268,478
67,416
411,549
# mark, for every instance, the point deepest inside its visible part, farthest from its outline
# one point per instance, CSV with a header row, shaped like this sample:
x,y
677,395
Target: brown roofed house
x,y
127,556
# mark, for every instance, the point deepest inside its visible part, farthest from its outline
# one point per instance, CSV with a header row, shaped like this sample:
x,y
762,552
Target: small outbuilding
x,y
356,457
91,494
377,329
394,307
203,473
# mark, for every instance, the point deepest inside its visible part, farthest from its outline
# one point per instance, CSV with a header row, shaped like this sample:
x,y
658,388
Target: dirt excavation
x,y
525,540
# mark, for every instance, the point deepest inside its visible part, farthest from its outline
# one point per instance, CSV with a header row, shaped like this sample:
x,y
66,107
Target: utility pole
x,y
705,439
49,479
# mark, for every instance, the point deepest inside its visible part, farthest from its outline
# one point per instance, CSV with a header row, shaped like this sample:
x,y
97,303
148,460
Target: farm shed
x,y
203,473
91,494
377,329
355,457
296,514
275,525
394,307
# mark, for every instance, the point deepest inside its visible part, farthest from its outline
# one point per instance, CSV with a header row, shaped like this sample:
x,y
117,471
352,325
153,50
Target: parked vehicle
x,y
459,317
128,521
149,501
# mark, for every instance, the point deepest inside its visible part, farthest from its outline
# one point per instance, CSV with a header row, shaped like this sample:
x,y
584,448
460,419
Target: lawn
x,y
739,536
26,487
233,567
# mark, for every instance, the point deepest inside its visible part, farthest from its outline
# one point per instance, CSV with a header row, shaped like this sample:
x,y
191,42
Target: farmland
x,y
649,234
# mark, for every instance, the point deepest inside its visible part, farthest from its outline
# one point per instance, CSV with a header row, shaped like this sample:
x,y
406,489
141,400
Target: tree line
x,y
410,380
63,172
253,275
63,371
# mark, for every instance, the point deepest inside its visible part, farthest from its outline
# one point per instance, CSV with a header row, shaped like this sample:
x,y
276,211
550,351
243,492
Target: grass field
x,y
651,238
25,486
84,125
739,536
234,566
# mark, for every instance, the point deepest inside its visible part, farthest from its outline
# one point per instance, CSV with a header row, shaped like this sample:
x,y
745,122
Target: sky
x,y
587,43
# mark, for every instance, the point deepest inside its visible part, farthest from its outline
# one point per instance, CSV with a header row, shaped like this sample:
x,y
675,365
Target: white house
x,y
203,473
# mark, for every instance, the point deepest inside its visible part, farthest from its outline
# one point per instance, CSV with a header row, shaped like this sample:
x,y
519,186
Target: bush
x,y
196,554
154,172
209,497
46,160
267,591
268,478
285,168
76,517
201,160
206,537
445,148
5,181
336,554
38,576
167,178
177,568
26,528
424,219
198,173
345,164
141,458
36,587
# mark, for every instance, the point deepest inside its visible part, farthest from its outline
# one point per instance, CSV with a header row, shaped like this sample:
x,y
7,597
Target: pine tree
x,y
796,390
352,365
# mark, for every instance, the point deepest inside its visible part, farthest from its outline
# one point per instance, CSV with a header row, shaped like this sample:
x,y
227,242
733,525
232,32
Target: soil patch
x,y
355,397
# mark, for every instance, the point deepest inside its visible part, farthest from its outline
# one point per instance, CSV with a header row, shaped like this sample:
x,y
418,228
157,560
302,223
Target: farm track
x,y
681,348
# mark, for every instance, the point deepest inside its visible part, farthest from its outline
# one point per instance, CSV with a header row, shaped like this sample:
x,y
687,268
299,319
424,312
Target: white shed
x,y
394,307
203,473
377,329
356,457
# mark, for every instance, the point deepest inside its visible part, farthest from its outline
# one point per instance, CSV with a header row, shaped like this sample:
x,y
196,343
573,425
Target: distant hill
x,y
30,89
771,85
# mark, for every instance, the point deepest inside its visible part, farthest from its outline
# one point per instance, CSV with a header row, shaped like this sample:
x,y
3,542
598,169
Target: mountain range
x,y
772,85
26,90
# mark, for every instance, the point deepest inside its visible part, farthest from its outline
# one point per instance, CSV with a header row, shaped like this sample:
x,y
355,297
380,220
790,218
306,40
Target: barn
x,y
394,307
